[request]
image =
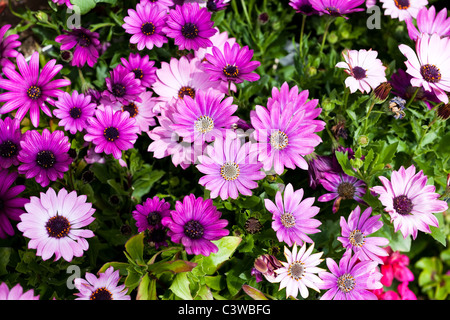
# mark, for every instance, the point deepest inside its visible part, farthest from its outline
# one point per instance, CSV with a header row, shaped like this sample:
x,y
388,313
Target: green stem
x,y
412,98
325,34
366,120
244,8
302,30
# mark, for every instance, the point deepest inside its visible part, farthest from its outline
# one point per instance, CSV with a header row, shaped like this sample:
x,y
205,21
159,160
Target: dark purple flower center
x,y
189,31
306,8
75,112
358,73
148,28
193,229
333,11
430,73
403,205
231,71
132,109
84,40
346,282
346,190
8,149
45,159
138,73
57,227
154,218
111,134
101,294
402,4
118,90
34,92
211,5
186,91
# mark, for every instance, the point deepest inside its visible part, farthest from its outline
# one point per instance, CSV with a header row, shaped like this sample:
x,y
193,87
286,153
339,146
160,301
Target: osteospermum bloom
x,y
142,68
55,223
10,136
8,45
410,201
337,8
149,214
356,235
365,70
195,223
403,9
31,89
190,26
104,287
146,24
45,156
111,132
299,272
293,216
303,6
62,2
351,280
122,85
429,67
11,207
428,22
16,293
73,111
86,44
229,169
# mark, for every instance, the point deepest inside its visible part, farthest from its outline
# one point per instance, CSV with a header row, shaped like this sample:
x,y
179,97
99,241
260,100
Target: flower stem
x,y
325,34
367,115
412,98
302,30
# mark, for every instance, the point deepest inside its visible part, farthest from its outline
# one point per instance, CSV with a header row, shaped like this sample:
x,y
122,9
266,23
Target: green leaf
x,y
345,163
175,266
387,152
135,249
147,289
84,5
180,286
438,233
368,159
5,253
121,266
254,293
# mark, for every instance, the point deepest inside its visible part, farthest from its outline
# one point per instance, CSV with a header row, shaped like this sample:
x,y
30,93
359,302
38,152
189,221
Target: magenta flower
x,y
44,156
395,266
122,86
8,45
403,9
86,45
229,169
356,235
62,2
31,89
293,216
149,214
195,223
409,201
16,293
429,67
10,137
428,22
337,8
142,68
73,111
55,223
303,6
146,24
111,132
190,26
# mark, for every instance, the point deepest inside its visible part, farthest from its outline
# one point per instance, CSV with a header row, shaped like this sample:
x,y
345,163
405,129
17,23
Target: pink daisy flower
x,y
149,214
410,201
10,137
403,9
8,45
428,22
142,68
337,8
16,293
122,86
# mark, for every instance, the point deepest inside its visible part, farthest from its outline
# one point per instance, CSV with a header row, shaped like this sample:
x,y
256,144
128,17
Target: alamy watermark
x,y
374,21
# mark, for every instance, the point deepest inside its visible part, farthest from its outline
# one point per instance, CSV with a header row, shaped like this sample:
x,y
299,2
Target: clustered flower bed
x,y
225,150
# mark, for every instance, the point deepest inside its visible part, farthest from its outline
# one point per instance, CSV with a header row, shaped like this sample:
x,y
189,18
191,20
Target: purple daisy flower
x,y
55,224
142,68
217,5
229,169
16,293
105,287
356,232
149,214
303,6
123,86
62,2
190,26
31,89
111,132
44,156
8,45
410,201
403,9
74,110
146,25
10,205
195,223
342,187
428,22
10,137
293,216
233,64
351,280
337,8
86,45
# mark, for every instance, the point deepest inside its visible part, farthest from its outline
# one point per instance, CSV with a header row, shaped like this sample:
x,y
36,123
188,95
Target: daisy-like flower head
x,y
205,117
190,26
111,132
55,223
351,279
293,216
195,223
341,187
163,4
365,70
8,45
428,22
44,156
104,287
149,214
428,67
11,207
410,201
403,9
142,68
303,6
16,293
73,111
31,89
86,45
356,235
337,8
146,24
10,137
122,86
299,272
229,169
62,2
233,64
217,5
